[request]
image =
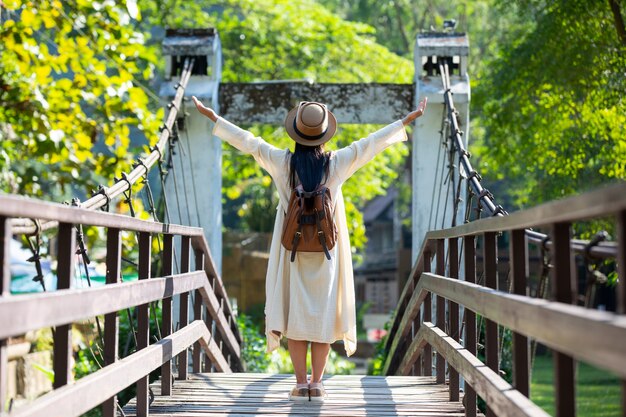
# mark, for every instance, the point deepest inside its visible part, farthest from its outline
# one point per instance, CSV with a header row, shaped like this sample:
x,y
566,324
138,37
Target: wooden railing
x,y
213,330
572,332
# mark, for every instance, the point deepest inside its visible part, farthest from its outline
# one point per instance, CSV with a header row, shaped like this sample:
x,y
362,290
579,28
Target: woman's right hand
x,y
208,112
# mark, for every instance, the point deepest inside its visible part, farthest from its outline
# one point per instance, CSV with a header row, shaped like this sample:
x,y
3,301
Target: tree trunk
x,y
618,20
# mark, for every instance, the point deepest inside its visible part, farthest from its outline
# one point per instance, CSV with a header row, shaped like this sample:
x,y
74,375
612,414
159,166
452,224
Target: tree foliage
x,y
551,102
72,88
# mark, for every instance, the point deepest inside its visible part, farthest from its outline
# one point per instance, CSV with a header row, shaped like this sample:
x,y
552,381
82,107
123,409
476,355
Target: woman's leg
x,y
319,357
297,351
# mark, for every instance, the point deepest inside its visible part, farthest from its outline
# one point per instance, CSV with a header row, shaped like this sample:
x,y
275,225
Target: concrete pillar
x,y
198,154
429,189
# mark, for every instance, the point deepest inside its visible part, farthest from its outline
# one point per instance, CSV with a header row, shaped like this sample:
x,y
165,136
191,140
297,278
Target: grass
x,y
598,392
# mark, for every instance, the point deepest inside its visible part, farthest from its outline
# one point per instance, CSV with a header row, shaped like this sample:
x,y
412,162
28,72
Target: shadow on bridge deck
x,y
245,394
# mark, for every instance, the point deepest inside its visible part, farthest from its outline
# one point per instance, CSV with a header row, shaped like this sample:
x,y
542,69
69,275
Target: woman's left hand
x,y
421,108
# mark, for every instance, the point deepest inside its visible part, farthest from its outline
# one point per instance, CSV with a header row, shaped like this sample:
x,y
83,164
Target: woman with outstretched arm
x,y
310,294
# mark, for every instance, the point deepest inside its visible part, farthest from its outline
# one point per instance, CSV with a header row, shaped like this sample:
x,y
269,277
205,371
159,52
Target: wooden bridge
x,y
431,367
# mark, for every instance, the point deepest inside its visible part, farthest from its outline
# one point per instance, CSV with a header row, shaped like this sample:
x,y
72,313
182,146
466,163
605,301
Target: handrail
x,y
87,393
504,400
141,168
556,323
60,308
592,204
22,313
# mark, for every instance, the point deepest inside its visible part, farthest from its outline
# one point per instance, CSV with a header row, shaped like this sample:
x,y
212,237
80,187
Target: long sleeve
x,y
357,154
268,156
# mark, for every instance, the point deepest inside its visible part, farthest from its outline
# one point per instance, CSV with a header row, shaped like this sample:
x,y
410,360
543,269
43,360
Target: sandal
x,y
317,392
299,394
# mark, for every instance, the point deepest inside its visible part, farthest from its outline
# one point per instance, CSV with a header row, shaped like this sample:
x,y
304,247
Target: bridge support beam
x,y
196,177
432,194
433,190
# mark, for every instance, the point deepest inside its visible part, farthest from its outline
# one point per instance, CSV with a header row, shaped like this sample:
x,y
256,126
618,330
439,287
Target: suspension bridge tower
x,y
195,170
435,173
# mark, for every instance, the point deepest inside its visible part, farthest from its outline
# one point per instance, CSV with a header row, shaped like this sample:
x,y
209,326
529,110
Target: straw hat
x,y
310,123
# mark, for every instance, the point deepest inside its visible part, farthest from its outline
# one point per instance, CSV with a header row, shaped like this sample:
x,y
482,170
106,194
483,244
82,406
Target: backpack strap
x,y
320,233
298,234
296,240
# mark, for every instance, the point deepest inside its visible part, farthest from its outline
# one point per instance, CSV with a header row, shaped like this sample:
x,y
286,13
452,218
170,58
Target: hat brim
x,y
330,132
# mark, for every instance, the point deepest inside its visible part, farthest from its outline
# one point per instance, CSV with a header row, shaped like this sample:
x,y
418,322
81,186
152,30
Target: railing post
x,y
143,320
111,321
427,354
183,360
490,260
469,245
621,283
166,312
5,290
453,308
416,370
210,323
197,314
521,379
222,345
63,333
563,290
441,310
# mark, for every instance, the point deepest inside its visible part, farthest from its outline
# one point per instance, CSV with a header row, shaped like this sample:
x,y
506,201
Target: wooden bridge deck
x,y
246,394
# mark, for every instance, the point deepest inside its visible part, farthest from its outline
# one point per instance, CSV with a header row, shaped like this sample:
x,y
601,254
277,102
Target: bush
x,y
256,359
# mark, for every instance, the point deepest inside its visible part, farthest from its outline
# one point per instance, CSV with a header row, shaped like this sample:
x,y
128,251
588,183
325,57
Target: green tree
x,y
551,102
71,89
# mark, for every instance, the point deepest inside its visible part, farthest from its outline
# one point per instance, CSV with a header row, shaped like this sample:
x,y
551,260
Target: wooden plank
x,y
183,314
469,260
62,349
499,395
441,309
263,394
269,102
143,319
111,319
405,325
554,324
427,356
598,203
167,313
491,327
197,315
199,243
5,291
21,313
88,392
413,352
564,291
521,358
216,312
407,291
24,207
453,308
621,283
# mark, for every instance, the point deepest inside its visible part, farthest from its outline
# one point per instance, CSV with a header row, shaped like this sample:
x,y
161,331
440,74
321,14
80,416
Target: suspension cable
x,y
102,198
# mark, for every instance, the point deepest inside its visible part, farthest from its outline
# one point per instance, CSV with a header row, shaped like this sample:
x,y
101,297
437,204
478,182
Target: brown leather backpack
x,y
309,225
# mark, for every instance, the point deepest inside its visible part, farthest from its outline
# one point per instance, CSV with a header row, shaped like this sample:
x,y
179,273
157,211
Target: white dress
x,y
311,298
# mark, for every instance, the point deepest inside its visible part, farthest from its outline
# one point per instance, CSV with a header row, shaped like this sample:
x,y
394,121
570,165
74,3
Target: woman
x,y
310,300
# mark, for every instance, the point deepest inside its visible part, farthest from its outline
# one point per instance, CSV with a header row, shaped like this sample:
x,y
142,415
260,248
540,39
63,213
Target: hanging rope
x,y
182,164
437,171
104,197
190,162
